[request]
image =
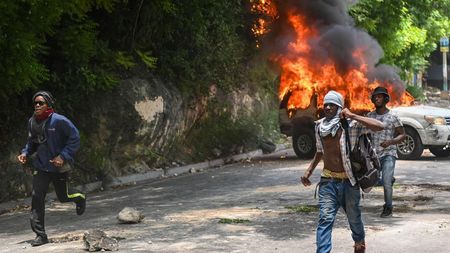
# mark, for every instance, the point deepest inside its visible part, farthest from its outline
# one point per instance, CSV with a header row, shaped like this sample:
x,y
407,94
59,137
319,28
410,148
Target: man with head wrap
x,y
337,186
54,139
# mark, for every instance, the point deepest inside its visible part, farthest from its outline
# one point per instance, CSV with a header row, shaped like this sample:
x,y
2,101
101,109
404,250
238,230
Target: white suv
x,y
425,127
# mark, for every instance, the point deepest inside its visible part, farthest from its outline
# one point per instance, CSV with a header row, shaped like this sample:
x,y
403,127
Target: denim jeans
x,y
333,195
387,174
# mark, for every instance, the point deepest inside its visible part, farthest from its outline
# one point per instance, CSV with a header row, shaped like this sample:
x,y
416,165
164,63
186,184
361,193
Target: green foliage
x,y
416,92
407,30
197,43
223,133
125,60
81,46
220,130
149,60
43,41
259,74
302,208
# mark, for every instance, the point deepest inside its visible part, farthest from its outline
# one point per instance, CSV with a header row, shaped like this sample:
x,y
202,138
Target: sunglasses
x,y
40,103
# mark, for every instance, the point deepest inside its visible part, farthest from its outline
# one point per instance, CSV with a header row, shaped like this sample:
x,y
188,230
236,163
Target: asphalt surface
x,y
258,199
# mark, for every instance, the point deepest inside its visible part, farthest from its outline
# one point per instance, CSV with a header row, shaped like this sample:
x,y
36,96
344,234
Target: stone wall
x,y
131,129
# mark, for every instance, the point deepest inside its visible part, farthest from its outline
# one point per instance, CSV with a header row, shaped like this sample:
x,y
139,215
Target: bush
x,y
416,92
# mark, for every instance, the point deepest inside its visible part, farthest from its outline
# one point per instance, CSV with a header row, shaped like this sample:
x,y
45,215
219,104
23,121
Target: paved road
x,y
182,213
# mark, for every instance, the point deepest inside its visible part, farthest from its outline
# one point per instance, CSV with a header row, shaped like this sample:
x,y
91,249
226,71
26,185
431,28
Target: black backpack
x,y
364,160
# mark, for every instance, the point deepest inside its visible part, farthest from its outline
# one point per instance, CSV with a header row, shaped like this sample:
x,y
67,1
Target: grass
x,y
233,221
394,186
302,208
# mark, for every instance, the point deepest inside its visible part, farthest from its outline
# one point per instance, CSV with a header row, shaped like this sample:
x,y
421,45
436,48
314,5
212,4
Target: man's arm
x,y
399,137
71,146
305,178
370,123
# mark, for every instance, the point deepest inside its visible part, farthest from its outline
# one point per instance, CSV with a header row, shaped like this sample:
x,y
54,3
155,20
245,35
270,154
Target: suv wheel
x,y
411,147
304,143
439,151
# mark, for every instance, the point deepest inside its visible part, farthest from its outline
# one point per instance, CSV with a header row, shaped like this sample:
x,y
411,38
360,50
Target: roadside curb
x,y
175,171
150,175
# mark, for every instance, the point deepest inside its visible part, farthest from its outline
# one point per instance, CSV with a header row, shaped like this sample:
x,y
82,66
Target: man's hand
x,y
386,143
346,113
305,178
22,158
57,161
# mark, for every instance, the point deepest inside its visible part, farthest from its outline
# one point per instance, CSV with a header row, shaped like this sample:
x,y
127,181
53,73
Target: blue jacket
x,y
63,139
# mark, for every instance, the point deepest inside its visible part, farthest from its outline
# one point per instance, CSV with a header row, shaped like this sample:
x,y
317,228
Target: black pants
x,y
41,181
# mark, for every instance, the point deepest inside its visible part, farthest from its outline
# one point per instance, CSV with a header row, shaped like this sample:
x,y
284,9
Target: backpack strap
x,y
345,125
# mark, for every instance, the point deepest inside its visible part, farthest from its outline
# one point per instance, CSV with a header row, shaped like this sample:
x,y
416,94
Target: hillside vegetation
x,y
202,52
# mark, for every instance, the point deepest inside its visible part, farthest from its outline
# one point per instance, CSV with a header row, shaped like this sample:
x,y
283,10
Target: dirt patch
x,y
403,208
70,237
417,198
233,221
375,228
303,208
16,209
210,214
436,187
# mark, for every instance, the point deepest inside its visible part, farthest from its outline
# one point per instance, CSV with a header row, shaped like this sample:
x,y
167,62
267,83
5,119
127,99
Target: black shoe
x,y
39,240
81,206
393,180
387,212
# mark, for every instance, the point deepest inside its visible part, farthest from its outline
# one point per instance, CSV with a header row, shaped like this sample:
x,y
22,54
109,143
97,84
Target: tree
x,y
39,35
407,30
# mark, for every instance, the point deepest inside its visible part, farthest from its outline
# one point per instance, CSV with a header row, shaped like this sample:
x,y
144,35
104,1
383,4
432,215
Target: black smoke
x,y
337,41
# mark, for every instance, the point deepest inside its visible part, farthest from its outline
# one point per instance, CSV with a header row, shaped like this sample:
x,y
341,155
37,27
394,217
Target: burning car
x,y
425,127
316,48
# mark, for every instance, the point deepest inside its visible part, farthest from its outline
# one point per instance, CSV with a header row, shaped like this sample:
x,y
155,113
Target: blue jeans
x,y
387,174
332,195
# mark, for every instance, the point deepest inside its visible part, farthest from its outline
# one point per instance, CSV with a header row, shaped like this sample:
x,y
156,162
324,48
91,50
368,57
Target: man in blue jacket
x,y
54,140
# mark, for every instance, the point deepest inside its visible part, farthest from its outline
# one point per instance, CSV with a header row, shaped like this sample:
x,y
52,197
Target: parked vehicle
x,y
426,127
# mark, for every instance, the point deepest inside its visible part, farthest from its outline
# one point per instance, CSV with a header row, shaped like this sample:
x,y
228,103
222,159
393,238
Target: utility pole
x,y
444,50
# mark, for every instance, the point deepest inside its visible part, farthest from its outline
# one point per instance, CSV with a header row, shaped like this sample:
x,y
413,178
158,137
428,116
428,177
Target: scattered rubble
x,y
130,215
97,240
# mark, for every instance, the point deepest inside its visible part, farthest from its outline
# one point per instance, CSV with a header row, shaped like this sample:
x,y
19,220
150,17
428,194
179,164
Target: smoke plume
x,y
338,39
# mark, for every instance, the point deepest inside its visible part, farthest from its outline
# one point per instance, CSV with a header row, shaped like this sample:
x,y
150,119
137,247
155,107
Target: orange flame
x,y
270,13
303,80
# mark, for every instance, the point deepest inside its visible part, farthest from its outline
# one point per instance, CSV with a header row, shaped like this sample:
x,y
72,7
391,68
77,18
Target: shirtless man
x,y
337,186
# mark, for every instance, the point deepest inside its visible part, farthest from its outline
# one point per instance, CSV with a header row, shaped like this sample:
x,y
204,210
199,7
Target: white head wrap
x,y
331,126
334,97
